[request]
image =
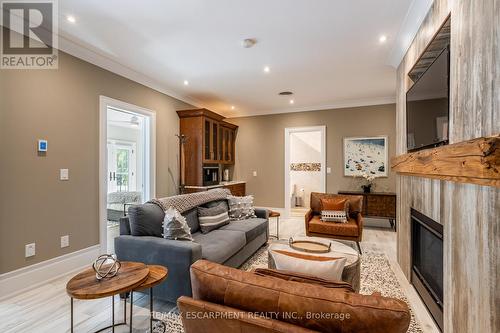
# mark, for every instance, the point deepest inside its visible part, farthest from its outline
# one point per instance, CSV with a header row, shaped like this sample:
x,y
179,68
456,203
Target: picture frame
x,y
365,155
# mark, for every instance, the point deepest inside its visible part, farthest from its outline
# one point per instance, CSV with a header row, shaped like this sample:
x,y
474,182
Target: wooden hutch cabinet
x,y
210,143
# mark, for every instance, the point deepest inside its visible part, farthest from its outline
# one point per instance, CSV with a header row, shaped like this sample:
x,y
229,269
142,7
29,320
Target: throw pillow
x,y
192,219
241,208
217,203
332,203
334,216
175,226
322,267
146,220
212,218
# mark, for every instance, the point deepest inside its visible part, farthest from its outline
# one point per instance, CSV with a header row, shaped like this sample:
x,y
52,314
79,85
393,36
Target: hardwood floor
x,y
47,308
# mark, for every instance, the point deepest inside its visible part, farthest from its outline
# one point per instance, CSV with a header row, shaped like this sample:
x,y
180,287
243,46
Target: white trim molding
x,y
149,155
30,277
288,131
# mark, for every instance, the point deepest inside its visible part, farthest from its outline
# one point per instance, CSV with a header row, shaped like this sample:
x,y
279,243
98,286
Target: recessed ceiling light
x,y
186,82
292,101
71,18
267,69
382,39
232,107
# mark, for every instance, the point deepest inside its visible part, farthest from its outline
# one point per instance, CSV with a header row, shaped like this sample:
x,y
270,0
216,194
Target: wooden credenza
x,y
378,205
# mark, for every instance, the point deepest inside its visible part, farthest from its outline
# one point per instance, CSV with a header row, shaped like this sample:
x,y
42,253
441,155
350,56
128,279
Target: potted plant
x,y
369,182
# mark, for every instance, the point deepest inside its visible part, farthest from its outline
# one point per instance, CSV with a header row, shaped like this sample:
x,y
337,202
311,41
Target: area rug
x,y
376,275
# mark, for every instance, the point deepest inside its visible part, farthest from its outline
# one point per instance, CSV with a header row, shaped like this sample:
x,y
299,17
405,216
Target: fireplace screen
x,y
427,262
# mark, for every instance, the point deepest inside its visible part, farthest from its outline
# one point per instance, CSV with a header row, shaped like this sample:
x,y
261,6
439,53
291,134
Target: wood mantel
x,y
475,161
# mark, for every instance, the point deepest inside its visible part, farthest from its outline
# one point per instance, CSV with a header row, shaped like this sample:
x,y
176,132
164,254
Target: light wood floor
x,y
47,308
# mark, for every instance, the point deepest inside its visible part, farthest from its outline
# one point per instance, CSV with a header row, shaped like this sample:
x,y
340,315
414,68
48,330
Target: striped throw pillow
x,y
213,217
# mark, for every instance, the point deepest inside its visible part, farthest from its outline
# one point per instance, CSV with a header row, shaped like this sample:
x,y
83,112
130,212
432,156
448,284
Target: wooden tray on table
x,y
309,246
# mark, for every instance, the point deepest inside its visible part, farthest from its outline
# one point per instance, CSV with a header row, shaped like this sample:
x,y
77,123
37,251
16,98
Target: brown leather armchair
x,y
231,300
352,230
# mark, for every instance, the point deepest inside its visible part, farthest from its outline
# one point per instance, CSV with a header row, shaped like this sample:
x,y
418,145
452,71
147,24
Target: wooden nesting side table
x,y
132,276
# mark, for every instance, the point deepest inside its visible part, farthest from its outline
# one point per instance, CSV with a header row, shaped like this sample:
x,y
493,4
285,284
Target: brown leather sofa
x,y
231,300
352,230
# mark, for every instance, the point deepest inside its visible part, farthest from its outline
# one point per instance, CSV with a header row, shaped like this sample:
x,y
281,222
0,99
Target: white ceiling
x,y
327,52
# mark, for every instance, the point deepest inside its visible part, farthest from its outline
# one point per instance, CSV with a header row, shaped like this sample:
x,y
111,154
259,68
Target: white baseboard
x,y
30,277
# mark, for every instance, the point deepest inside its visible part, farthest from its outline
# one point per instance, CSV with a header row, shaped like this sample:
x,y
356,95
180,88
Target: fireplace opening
x,y
427,263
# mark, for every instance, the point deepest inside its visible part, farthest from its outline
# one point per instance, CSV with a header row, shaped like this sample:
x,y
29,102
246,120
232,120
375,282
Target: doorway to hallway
x,y
127,164
305,165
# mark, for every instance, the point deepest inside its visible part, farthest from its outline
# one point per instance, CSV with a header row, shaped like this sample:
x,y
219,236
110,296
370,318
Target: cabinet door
x,y
215,141
381,206
220,150
207,138
227,146
232,139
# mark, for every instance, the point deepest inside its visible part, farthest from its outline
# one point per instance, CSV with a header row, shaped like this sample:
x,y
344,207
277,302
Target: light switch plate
x,y
255,173
30,250
328,170
64,241
64,174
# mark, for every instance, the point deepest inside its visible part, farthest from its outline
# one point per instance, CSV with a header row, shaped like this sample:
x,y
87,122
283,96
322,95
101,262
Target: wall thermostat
x,y
42,145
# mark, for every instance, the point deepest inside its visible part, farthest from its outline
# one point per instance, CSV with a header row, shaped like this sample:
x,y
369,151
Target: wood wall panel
x,y
470,213
475,48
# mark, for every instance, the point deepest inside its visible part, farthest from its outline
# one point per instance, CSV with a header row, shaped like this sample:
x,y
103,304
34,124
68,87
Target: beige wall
x,y
261,140
62,106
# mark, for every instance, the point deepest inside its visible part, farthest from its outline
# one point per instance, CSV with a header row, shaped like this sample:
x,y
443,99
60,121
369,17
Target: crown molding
x,y
79,51
336,105
411,24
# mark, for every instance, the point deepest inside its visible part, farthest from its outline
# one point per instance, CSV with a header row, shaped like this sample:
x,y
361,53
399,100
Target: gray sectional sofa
x,y
141,240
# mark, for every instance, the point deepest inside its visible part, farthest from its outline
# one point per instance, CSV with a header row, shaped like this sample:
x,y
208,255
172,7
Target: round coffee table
x,y
85,286
352,268
157,274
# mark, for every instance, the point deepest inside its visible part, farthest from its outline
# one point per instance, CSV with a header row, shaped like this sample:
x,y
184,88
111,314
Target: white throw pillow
x,y
240,208
323,267
175,226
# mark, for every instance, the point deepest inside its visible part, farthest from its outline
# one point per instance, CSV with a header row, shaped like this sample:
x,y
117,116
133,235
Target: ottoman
x,y
352,268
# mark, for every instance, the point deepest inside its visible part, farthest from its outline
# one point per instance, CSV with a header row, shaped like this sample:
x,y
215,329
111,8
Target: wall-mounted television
x,y
427,106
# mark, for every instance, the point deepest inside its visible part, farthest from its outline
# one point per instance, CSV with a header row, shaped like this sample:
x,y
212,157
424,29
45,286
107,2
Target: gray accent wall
x,y
469,213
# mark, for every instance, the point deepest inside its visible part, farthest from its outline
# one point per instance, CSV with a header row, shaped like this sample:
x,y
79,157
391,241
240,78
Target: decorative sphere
x,y
106,266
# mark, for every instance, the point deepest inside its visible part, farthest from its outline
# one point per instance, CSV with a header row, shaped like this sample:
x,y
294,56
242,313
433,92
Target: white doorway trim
x,y
149,157
288,132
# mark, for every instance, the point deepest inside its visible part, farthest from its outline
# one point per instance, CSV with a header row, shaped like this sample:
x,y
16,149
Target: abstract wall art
x,y
365,155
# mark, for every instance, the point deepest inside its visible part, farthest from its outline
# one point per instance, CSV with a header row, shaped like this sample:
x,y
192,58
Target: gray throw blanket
x,y
185,202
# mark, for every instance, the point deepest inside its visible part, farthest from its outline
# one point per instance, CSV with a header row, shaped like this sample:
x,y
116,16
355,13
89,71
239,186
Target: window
x,y
121,166
122,169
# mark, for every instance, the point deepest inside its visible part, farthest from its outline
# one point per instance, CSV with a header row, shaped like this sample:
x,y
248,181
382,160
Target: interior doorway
x,y
305,165
127,163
